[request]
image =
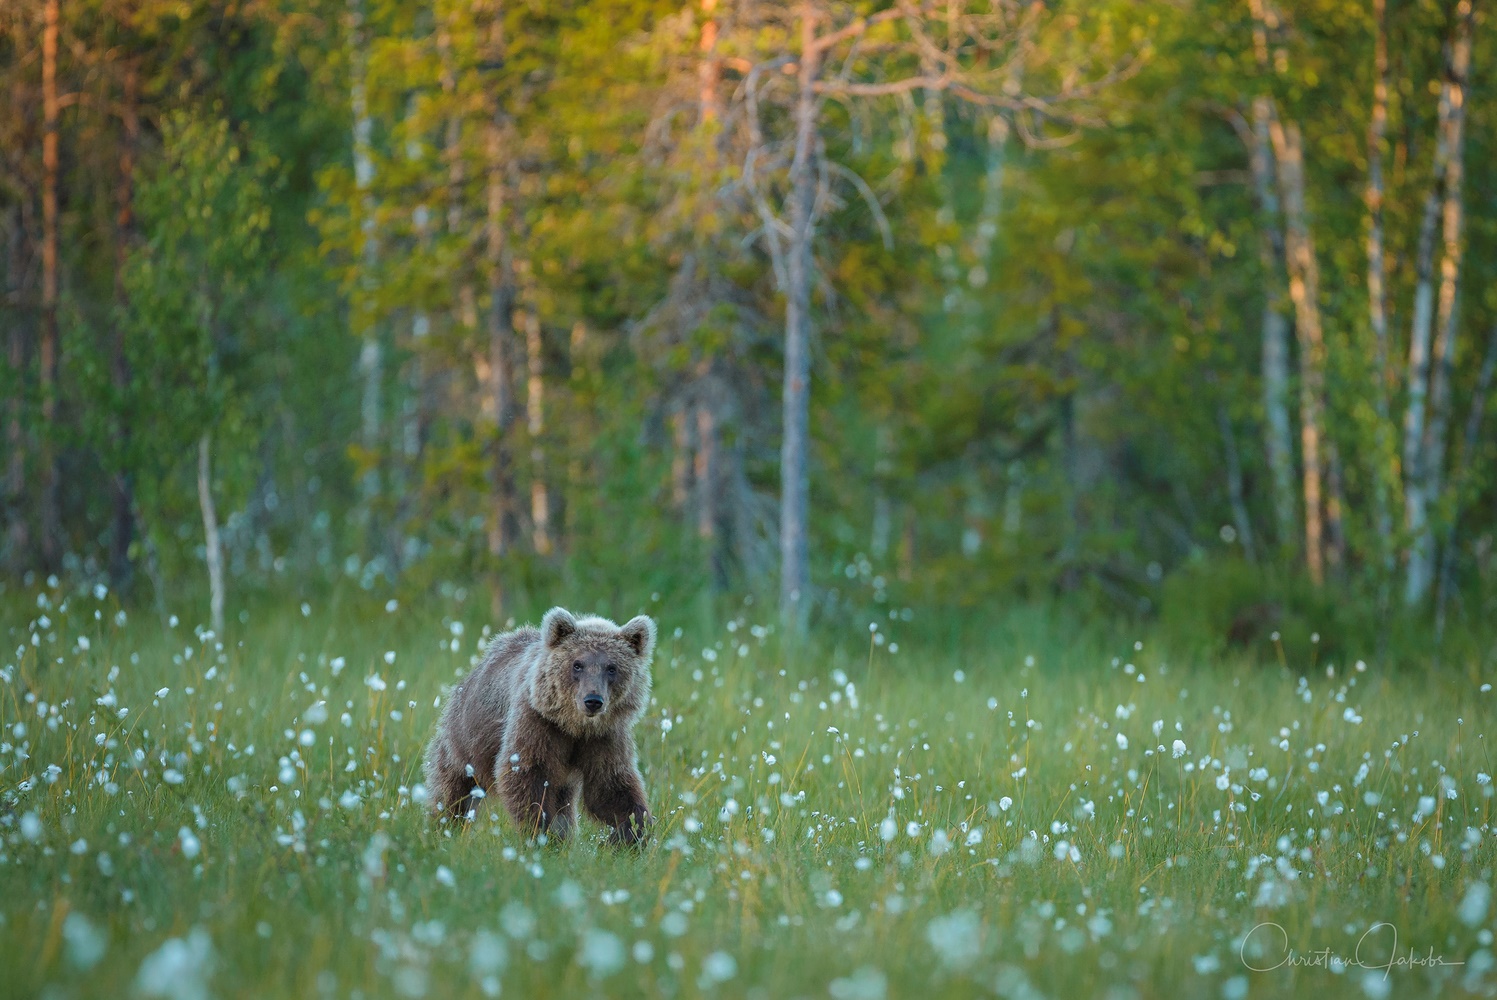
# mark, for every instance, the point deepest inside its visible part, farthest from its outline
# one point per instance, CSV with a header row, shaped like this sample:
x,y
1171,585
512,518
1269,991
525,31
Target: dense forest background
x,y
1177,308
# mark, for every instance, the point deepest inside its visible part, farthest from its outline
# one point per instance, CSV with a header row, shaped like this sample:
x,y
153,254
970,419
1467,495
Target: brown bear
x,y
547,716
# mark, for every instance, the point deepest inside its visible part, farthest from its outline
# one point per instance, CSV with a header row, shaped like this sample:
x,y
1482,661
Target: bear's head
x,y
592,674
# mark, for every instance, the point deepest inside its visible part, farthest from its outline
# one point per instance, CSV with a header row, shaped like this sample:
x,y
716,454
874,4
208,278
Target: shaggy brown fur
x,y
546,718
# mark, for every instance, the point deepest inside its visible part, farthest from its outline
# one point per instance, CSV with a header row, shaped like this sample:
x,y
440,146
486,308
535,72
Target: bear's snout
x,y
593,703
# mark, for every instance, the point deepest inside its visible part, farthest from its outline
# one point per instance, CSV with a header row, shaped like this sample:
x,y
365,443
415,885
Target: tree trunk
x,y
1277,431
1304,293
934,107
998,130
1335,506
709,479
212,547
582,426
535,420
795,445
709,68
371,352
883,505
122,494
905,563
1383,466
1235,493
683,431
1461,476
51,516
1430,374
17,535
705,473
503,517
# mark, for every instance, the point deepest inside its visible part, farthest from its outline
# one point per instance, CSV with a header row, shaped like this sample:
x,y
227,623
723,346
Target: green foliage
x,y
1037,324
1266,615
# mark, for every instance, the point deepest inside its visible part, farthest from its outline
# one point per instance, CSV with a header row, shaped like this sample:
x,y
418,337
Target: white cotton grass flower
x,y
867,983
956,938
718,967
191,846
601,953
179,969
1473,908
1178,749
445,876
1005,803
31,827
940,843
888,829
85,944
1122,742
487,956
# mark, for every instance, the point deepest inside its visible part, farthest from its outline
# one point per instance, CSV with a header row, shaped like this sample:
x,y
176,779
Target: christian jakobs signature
x,y
1266,947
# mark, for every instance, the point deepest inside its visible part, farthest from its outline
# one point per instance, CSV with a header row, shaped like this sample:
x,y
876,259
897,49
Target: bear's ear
x,y
556,626
639,633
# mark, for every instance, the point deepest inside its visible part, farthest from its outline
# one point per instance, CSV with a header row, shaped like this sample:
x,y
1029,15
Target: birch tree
x,y
362,308
1383,466
902,50
1429,369
51,515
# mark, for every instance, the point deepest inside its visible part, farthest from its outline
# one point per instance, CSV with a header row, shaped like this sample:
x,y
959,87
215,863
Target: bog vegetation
x,y
1060,811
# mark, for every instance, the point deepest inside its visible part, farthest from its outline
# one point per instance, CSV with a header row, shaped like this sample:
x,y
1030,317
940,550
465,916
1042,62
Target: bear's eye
x,y
612,670
577,667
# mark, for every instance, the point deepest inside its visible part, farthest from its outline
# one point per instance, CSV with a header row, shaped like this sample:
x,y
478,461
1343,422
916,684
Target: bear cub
x,y
546,718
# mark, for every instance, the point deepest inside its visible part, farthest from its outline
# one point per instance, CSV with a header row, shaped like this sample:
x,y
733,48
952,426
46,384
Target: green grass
x,y
1030,852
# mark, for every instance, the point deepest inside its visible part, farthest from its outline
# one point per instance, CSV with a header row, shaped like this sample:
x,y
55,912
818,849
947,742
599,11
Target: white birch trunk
x,y
1278,431
1304,293
535,420
371,354
1383,466
795,445
212,546
1430,372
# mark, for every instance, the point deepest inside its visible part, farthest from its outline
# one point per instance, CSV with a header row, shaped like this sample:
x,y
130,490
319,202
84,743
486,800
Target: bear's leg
x,y
537,803
448,784
616,797
530,775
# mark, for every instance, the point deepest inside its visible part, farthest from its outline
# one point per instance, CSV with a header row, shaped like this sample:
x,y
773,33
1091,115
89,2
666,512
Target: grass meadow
x,y
1056,812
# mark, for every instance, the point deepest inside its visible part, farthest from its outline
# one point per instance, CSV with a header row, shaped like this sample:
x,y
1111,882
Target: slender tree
x,y
362,310
1428,413
51,514
1377,295
122,492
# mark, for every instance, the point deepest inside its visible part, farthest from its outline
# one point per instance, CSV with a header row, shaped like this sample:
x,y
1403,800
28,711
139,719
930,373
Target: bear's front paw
x,y
633,830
